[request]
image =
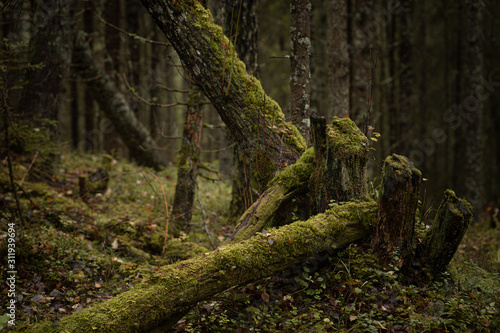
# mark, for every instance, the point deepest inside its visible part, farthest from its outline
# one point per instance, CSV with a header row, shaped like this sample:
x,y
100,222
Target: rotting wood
x,y
398,202
450,224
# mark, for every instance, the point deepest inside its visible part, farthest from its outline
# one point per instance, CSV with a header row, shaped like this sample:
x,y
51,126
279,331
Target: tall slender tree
x,y
474,106
339,83
300,73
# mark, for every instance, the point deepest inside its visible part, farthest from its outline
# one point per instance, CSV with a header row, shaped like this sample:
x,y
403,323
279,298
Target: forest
x,y
249,166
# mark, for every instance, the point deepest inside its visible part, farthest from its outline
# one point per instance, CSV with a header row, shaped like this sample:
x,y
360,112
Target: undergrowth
x,y
72,254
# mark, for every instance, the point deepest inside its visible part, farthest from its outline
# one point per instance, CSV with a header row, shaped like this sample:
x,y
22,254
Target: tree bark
x,y
331,173
398,202
300,77
338,59
161,300
241,23
281,196
50,45
188,162
341,153
450,224
474,108
254,119
115,105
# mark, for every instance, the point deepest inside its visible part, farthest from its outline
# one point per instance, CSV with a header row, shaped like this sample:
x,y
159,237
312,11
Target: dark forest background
x,y
423,74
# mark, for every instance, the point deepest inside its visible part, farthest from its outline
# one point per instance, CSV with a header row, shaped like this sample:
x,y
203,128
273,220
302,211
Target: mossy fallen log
x,y
162,299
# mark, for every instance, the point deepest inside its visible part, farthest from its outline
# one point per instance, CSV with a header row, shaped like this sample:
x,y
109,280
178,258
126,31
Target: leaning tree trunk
x,y
114,105
333,172
254,119
161,300
242,24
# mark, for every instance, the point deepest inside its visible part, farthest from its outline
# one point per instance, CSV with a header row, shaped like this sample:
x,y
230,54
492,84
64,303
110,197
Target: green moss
x,y
345,136
235,74
297,174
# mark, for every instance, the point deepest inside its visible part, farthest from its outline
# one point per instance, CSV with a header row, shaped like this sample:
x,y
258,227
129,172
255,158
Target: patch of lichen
x,y
297,174
344,137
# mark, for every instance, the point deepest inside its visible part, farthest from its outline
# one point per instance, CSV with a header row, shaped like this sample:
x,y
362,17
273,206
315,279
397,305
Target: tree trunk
x,y
114,105
474,108
396,216
164,298
341,153
450,224
254,119
284,195
338,59
241,23
300,72
51,46
188,162
116,63
331,173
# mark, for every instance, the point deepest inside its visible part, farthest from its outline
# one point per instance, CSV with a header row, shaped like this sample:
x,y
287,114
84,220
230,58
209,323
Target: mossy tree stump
x,y
450,224
395,231
341,153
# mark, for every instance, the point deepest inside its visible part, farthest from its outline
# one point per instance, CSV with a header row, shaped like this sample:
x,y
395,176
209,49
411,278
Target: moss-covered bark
x,y
282,195
341,153
254,119
175,288
398,202
188,161
450,224
114,105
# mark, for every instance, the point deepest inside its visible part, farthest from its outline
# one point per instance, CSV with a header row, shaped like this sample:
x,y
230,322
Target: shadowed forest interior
x,y
135,140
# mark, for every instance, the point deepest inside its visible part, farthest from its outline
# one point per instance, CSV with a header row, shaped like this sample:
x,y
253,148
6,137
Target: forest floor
x,y
72,253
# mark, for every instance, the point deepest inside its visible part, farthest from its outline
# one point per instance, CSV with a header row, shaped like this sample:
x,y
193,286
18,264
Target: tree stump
x,y
340,156
450,224
397,205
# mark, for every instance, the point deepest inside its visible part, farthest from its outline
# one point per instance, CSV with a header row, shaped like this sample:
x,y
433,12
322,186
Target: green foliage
x,y
353,292
29,137
89,252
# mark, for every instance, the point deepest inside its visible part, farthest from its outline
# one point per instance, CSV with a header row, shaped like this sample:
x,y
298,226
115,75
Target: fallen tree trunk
x,y
161,300
114,105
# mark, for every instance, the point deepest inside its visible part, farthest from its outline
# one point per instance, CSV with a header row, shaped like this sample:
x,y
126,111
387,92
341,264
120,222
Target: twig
x,y
132,90
5,106
29,168
132,35
166,210
184,91
217,150
201,205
